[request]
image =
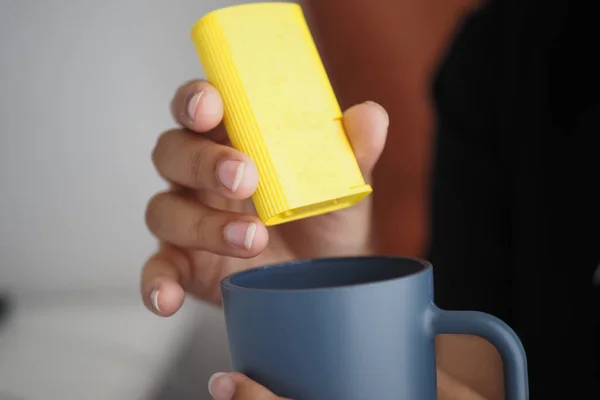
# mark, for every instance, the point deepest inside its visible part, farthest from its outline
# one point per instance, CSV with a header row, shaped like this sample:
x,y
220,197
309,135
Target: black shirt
x,y
515,222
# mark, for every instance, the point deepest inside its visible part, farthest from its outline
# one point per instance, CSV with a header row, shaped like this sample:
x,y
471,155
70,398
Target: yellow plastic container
x,y
280,109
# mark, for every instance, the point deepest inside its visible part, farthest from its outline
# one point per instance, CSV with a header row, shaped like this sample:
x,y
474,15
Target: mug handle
x,y
498,333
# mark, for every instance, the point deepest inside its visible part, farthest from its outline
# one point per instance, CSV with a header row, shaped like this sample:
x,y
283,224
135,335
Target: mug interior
x,y
326,273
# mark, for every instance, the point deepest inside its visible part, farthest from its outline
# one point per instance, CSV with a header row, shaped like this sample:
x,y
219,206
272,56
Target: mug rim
x,y
227,284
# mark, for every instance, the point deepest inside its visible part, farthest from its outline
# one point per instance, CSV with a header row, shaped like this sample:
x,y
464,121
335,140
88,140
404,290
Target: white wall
x,y
84,92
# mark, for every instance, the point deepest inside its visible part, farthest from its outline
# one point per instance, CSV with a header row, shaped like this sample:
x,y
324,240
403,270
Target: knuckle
x,y
199,164
162,148
155,210
200,231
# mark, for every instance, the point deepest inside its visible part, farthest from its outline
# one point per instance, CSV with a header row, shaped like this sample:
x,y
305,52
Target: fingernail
x,y
387,117
221,386
241,234
193,105
154,299
230,174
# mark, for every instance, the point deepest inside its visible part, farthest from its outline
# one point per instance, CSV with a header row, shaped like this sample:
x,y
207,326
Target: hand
x,y
206,222
234,386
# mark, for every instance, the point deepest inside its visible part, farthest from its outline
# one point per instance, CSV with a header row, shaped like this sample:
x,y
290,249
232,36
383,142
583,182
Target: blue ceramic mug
x,y
356,328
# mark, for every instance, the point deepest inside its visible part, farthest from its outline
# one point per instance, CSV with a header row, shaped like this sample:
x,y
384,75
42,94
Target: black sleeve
x,y
470,244
515,208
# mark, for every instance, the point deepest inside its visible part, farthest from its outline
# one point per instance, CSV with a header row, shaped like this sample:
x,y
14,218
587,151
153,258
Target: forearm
x,y
387,51
368,57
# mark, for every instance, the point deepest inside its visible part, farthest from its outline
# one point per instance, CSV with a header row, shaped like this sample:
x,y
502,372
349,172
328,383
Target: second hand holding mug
x,y
354,328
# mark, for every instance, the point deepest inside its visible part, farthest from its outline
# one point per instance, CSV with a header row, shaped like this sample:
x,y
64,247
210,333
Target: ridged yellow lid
x,y
280,109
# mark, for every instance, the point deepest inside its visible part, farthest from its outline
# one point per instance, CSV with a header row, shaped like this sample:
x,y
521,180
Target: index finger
x,y
197,106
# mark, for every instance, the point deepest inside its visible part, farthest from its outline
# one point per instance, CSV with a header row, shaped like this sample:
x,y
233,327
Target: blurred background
x,y
84,92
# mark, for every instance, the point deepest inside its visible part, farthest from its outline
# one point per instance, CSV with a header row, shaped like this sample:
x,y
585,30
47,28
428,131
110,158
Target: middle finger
x,y
196,162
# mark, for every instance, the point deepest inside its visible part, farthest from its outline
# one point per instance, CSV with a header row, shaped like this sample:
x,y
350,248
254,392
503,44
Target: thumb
x,y
235,386
366,125
348,231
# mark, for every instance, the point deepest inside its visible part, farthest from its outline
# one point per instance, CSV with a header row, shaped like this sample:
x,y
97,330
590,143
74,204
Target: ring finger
x,y
183,222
